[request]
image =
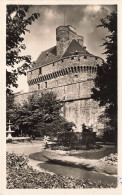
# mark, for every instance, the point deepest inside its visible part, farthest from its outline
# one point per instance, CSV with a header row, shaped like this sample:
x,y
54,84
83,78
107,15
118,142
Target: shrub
x,y
9,140
16,161
86,128
109,136
67,138
88,137
60,125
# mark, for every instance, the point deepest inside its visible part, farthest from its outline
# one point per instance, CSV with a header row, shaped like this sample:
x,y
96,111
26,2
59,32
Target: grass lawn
x,y
96,154
88,160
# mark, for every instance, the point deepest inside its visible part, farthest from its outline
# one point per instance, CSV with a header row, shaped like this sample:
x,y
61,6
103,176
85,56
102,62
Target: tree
x,y
37,114
17,23
105,90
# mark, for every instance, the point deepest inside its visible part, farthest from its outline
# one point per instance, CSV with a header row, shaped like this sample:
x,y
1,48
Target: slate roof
x,y
73,47
50,55
47,56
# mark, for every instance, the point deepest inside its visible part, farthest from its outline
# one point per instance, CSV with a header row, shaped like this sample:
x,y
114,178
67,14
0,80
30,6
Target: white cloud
x,y
93,8
49,14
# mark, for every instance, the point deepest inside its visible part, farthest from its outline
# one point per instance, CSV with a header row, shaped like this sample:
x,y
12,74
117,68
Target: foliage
x,y
86,128
25,177
59,125
105,90
38,115
109,136
9,101
17,22
88,137
9,140
67,138
16,161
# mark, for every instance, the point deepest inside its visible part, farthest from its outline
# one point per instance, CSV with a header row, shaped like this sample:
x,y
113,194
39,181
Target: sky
x,y
84,18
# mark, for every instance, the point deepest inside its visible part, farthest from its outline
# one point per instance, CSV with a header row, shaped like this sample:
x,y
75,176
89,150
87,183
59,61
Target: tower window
x,y
40,70
53,64
45,84
72,58
79,59
85,57
38,86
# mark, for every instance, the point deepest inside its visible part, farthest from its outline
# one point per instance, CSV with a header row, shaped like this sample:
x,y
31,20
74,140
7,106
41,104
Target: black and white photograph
x,y
62,96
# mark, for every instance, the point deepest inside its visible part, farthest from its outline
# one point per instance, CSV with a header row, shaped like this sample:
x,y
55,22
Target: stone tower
x,y
64,36
68,70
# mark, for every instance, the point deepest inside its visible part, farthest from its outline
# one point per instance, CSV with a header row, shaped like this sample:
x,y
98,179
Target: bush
x,y
110,136
67,138
60,125
86,128
9,140
16,161
88,139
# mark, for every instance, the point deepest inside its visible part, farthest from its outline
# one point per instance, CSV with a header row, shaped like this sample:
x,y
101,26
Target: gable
x,y
75,47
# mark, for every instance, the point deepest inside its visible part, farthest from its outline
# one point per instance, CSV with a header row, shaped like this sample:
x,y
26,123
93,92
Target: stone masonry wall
x,y
72,80
59,65
78,111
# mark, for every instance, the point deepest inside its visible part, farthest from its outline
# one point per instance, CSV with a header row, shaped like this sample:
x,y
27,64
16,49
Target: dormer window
x,y
72,58
40,70
85,57
62,60
76,52
96,58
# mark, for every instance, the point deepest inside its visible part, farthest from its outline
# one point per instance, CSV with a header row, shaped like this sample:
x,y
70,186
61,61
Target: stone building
x,y
68,69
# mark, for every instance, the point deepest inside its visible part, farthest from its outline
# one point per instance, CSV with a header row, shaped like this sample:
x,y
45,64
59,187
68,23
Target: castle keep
x,y
68,69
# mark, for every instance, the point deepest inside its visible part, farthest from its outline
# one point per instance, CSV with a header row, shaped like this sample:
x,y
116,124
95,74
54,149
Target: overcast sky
x,y
84,18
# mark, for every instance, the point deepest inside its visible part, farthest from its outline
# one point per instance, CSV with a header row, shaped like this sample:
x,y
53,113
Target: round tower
x,y
62,38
